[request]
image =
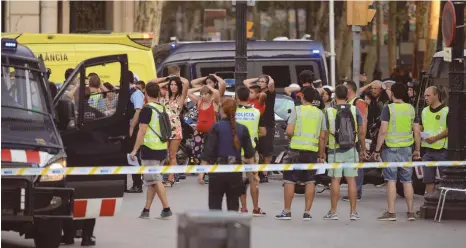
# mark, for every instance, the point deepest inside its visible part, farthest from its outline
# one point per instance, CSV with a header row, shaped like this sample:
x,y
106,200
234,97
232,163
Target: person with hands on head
x,y
257,98
213,81
265,147
307,129
174,100
394,144
433,123
207,106
306,79
223,145
152,150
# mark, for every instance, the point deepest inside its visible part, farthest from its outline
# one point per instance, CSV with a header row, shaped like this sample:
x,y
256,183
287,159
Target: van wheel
x,y
47,233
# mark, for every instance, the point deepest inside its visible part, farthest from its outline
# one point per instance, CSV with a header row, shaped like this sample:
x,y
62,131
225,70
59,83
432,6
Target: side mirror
x,y
65,113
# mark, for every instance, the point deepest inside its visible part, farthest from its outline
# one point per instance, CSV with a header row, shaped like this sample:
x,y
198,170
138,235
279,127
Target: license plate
x,y
279,157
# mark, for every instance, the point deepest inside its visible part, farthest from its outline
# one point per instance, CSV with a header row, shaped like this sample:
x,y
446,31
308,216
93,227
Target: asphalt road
x,y
126,230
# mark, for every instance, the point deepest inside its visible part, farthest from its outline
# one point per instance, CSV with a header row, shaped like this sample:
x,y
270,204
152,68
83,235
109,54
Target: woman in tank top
x,y
207,106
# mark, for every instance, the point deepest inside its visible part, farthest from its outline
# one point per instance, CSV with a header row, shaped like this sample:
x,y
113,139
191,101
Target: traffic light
x,y
359,13
249,30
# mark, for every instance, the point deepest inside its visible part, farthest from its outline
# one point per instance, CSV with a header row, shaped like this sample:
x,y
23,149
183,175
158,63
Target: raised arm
x,y
222,85
162,82
262,98
248,82
364,88
184,93
271,85
215,93
192,96
198,82
290,90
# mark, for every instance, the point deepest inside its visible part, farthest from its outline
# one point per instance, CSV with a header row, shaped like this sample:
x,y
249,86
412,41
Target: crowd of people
x,y
327,125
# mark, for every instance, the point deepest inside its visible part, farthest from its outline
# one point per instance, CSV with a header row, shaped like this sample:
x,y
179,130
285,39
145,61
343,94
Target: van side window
x,y
279,73
100,96
225,71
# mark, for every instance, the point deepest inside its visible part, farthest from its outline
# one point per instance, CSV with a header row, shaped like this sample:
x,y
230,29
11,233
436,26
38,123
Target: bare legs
x,y
172,150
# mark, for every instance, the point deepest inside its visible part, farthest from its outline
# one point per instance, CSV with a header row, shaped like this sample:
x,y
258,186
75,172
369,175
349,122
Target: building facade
x,y
67,16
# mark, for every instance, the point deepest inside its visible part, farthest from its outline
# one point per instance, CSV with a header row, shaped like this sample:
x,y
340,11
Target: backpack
x,y
164,122
345,130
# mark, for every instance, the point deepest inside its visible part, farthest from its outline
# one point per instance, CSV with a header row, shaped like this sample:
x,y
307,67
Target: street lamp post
x,y
241,57
454,177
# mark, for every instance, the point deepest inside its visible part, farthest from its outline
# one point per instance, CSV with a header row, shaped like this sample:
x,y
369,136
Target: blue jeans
x,y
401,154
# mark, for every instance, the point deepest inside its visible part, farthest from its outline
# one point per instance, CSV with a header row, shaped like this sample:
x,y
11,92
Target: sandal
x,y
168,183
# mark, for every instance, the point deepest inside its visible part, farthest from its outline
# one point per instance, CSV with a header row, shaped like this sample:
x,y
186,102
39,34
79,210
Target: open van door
x,y
94,127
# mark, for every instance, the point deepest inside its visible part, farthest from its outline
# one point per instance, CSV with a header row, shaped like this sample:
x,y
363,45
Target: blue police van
x,y
283,60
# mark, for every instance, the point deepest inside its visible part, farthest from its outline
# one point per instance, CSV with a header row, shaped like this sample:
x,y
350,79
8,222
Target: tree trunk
x,y
392,36
431,41
419,41
340,36
371,58
320,21
344,66
380,36
310,17
149,18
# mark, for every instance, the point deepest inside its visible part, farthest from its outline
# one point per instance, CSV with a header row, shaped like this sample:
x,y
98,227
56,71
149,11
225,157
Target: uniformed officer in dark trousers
x,y
434,137
223,145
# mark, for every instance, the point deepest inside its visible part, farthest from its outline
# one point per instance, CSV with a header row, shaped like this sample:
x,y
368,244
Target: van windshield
x,y
25,116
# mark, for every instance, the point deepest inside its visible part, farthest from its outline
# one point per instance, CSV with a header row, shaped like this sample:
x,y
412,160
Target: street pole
x,y
241,57
356,54
332,43
454,177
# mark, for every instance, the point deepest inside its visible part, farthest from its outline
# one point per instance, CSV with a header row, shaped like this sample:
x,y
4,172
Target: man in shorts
x,y
337,154
153,151
307,129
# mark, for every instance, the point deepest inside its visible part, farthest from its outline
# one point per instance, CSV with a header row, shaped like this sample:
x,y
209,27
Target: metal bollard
x,y
214,229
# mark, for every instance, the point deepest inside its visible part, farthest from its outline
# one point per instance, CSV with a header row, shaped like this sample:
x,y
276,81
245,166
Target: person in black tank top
x,y
265,147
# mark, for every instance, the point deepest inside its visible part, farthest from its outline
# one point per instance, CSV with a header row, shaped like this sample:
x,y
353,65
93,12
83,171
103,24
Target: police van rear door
x,y
95,133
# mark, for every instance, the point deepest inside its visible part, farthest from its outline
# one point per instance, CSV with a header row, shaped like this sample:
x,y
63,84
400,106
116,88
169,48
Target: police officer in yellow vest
x,y
251,118
153,151
307,128
339,154
434,136
396,132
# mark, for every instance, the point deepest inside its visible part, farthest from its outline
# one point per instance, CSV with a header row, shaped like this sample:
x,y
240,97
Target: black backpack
x,y
165,125
345,130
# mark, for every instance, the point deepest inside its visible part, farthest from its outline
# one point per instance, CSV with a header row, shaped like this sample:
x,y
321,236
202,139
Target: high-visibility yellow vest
x,y
151,140
249,117
331,115
434,124
94,100
400,125
307,128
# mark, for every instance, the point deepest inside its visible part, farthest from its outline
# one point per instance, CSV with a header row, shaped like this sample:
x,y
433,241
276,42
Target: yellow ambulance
x,y
63,51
